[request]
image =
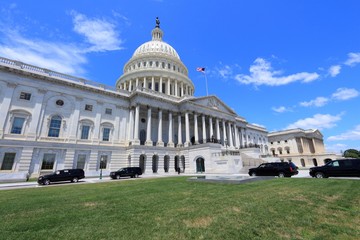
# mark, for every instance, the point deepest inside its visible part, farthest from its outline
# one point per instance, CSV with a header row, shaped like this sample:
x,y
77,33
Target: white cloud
x,y
64,58
225,71
99,33
317,102
336,148
353,59
345,94
280,109
353,134
318,121
261,73
334,70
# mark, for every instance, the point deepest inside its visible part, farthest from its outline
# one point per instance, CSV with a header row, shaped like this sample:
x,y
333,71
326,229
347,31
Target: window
x,y
17,125
103,161
48,161
8,161
85,132
157,87
108,111
59,102
106,134
88,107
55,125
25,96
81,161
286,141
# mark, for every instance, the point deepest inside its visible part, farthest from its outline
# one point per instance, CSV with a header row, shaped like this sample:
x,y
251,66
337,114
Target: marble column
x,y
187,130
161,85
211,128
145,83
160,141
224,133
152,83
137,82
170,143
230,138
217,130
130,85
196,131
131,124
203,128
179,130
176,88
148,129
136,127
168,86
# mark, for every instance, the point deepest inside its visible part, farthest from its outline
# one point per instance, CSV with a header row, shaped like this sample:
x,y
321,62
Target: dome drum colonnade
x,y
157,66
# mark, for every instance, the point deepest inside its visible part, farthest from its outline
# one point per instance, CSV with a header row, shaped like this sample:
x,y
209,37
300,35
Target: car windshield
x,y
292,165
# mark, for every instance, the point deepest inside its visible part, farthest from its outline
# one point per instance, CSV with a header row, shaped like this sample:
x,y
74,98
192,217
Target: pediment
x,y
214,103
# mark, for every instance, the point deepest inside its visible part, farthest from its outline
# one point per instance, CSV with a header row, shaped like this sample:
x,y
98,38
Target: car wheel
x,y
46,182
136,175
75,180
117,176
253,174
319,175
281,175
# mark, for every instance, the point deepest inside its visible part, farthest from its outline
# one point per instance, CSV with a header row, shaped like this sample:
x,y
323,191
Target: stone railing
x,y
53,74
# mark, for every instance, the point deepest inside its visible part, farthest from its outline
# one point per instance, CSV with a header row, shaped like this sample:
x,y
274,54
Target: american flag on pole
x,y
200,69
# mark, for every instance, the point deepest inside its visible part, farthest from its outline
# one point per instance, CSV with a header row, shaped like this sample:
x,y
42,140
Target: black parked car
x,y
281,169
133,172
72,175
337,168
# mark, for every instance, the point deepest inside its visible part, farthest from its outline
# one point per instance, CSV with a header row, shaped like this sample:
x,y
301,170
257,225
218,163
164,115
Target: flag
x,y
200,69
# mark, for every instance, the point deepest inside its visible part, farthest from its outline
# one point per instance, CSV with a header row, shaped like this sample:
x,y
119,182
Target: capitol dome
x,y
156,65
158,47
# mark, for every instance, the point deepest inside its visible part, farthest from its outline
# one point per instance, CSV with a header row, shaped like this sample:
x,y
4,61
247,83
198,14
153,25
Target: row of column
x,y
178,88
232,134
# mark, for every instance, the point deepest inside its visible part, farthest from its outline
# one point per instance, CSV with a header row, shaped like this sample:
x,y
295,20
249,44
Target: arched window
x,y
55,125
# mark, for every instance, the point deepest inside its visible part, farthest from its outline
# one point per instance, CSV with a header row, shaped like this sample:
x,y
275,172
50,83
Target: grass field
x,y
174,208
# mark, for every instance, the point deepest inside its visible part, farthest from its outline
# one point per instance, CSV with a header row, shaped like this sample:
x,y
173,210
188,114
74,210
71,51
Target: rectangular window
x,y
81,161
85,132
103,161
48,161
106,134
17,125
108,111
55,125
88,107
8,161
157,87
25,96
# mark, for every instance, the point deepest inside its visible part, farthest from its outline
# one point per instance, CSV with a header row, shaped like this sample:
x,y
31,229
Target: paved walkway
x,y
212,177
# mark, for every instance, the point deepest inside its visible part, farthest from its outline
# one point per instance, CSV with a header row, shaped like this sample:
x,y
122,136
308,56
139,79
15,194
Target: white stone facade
x,y
303,147
151,119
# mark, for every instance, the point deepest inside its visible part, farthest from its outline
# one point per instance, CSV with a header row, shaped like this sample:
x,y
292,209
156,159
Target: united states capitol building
x,y
150,119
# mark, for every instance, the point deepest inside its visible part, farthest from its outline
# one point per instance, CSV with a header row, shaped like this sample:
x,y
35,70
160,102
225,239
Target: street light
x,y
101,163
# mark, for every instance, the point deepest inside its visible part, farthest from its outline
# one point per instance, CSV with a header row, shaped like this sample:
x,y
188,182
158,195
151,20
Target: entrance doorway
x,y
142,162
200,165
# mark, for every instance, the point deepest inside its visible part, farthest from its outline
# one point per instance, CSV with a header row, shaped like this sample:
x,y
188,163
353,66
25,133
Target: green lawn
x,y
174,208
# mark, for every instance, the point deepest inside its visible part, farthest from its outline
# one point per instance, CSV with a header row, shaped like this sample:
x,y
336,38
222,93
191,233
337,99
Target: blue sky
x,y
279,64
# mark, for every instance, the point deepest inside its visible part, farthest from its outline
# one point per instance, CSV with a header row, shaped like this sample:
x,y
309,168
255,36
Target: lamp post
x,y
101,163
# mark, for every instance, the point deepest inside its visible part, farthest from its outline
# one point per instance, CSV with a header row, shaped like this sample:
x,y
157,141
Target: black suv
x,y
133,172
281,169
72,175
337,168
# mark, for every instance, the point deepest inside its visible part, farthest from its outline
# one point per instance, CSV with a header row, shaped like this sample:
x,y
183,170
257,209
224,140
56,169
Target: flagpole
x,y
207,93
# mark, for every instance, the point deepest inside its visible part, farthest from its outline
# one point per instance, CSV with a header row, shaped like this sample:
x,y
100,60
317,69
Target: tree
x,y
351,153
